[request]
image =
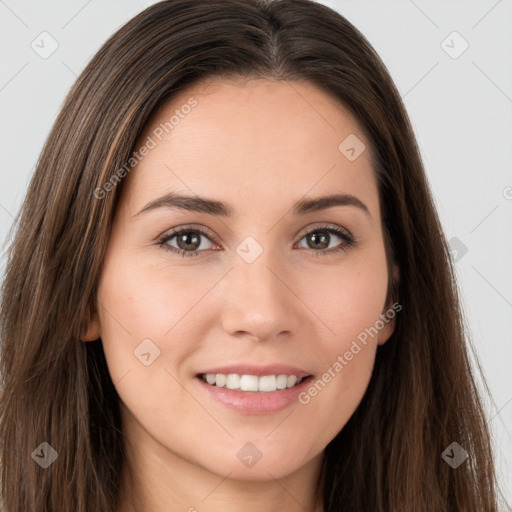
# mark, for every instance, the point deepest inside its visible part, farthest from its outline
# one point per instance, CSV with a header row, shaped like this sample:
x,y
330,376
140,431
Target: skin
x,y
259,146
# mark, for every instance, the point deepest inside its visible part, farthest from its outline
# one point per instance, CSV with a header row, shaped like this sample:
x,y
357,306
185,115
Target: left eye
x,y
189,240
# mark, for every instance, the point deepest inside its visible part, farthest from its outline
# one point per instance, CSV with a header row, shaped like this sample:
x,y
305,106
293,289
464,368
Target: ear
x,y
93,330
388,316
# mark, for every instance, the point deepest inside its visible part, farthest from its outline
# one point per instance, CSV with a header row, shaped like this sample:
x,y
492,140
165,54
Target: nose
x,y
258,299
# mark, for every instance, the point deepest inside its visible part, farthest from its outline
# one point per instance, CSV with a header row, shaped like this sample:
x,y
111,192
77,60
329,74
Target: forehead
x,y
255,140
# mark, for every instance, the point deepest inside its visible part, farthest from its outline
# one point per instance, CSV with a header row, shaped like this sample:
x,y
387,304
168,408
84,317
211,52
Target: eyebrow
x,y
218,208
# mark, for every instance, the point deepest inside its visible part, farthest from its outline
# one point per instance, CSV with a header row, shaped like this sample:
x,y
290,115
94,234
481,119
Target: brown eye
x,y
319,239
188,241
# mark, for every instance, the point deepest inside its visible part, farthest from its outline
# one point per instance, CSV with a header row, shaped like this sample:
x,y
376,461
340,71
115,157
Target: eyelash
x,y
348,241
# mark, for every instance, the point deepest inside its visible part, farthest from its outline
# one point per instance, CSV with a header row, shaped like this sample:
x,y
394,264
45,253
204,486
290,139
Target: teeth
x,y
281,381
265,383
233,381
291,381
220,380
249,383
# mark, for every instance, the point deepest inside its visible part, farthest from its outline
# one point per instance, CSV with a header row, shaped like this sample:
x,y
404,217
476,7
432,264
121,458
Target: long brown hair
x,y
56,389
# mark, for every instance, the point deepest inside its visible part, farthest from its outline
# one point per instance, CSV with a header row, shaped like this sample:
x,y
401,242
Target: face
x,y
268,290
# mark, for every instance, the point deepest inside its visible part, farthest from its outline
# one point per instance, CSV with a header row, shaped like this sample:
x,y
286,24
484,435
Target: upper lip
x,y
250,369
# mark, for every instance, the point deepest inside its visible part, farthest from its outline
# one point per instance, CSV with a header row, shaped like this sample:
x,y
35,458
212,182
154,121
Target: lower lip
x,y
255,402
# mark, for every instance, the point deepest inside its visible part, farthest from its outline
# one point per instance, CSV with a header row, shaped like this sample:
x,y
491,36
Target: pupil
x,y
323,236
184,237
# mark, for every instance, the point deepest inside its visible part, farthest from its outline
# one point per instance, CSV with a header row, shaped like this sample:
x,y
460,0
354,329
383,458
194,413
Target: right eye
x,y
186,238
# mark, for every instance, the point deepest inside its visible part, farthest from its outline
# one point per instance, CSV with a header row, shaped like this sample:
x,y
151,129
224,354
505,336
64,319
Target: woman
x,y
262,370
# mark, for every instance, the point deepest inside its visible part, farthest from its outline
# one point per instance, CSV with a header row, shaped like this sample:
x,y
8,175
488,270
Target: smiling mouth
x,y
254,383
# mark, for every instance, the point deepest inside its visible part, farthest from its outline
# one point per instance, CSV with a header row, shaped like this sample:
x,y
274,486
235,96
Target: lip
x,y
255,402
249,369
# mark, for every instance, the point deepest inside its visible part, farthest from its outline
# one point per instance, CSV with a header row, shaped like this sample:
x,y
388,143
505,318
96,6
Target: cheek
x,y
138,304
351,302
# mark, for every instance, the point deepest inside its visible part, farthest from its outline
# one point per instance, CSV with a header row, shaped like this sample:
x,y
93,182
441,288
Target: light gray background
x,y
460,108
